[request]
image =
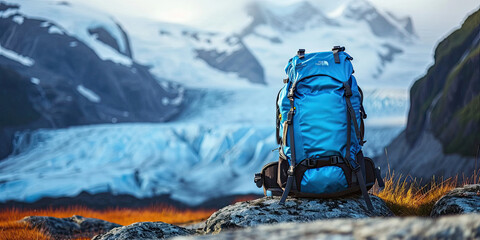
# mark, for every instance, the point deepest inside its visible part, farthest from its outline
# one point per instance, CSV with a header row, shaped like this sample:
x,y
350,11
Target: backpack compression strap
x,y
357,169
277,116
291,169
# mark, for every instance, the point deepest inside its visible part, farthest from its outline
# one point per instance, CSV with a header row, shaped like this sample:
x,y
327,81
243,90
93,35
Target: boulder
x,y
72,227
145,230
460,200
446,227
267,210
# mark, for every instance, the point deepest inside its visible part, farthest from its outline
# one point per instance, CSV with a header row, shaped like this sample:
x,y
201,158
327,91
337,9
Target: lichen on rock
x,y
461,200
267,210
145,230
68,228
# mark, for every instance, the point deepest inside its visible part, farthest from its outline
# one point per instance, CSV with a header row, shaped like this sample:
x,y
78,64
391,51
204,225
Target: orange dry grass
x,y
15,230
11,229
405,196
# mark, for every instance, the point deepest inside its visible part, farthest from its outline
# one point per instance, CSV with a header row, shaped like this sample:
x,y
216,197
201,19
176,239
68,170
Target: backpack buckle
x,y
348,90
338,48
291,93
334,160
258,180
310,162
291,171
290,116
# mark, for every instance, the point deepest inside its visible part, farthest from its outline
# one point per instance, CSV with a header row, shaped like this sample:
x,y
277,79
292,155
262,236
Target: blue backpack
x,y
320,131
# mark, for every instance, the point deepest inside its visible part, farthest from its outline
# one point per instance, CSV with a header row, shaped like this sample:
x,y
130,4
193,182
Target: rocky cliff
x,y
447,99
442,136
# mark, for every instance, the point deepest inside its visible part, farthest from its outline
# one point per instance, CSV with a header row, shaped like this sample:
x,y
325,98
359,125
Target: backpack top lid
x,y
320,63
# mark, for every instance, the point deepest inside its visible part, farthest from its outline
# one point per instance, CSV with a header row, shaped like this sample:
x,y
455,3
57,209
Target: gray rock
x,y
72,227
199,226
450,227
460,200
145,230
267,210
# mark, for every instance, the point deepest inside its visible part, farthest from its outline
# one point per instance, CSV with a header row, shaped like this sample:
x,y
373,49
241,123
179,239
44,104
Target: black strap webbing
x,y
354,120
321,162
363,188
351,111
335,56
287,190
291,170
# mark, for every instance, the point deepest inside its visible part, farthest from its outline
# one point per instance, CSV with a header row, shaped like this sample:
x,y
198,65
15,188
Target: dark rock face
x,y
145,230
226,53
106,37
267,211
458,201
65,83
4,6
61,69
451,227
240,61
446,99
68,228
15,104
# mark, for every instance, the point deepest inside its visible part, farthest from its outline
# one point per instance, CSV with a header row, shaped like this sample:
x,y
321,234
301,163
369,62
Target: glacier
x,y
189,162
211,150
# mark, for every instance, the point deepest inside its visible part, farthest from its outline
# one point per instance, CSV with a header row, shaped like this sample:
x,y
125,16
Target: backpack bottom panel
x,y
328,179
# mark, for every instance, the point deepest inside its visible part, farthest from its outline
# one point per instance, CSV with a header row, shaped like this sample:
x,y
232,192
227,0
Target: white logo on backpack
x,y
322,63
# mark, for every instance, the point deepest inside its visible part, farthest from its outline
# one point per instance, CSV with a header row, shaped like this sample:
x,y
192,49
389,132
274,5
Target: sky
x,y
433,19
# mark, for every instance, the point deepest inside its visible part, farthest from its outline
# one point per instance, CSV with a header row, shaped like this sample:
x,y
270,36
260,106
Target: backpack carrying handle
x,y
335,51
301,53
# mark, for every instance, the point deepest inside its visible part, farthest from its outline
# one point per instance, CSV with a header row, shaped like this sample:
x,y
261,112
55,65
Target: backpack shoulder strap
x,y
353,163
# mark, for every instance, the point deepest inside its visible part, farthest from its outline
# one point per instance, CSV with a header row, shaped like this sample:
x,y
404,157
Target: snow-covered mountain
x,y
216,88
77,72
373,38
